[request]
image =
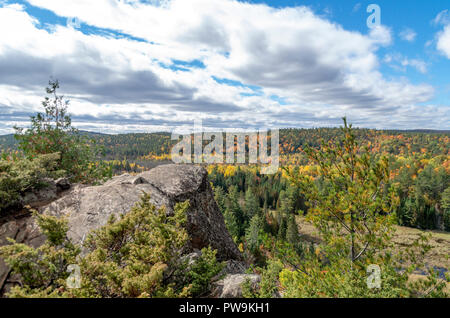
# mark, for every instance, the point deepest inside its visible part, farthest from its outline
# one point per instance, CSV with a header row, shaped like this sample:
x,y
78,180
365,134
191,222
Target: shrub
x,y
203,271
446,207
19,175
268,286
135,255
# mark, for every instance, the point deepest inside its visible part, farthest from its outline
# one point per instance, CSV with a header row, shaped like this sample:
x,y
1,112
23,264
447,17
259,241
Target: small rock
x,y
231,285
63,184
191,258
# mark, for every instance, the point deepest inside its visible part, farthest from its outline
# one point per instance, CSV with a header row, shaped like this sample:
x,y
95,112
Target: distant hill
x,y
292,140
7,142
426,131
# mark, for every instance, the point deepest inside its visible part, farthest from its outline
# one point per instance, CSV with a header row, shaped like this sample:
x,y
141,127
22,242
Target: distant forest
x,y
419,167
135,145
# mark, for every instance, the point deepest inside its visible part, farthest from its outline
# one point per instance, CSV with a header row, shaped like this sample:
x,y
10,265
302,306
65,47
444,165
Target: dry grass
x,y
438,256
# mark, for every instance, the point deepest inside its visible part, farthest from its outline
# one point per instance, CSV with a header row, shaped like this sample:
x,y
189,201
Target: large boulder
x,y
88,208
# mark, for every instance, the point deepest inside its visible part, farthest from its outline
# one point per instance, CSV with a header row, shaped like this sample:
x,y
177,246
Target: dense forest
x,y
419,163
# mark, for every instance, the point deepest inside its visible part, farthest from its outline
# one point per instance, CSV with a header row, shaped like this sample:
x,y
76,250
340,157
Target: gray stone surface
x,y
231,285
38,197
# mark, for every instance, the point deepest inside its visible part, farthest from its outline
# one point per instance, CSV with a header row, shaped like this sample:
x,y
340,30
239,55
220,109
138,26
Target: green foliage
x,y
43,269
268,287
52,132
251,204
135,145
231,224
136,255
422,195
220,197
446,200
234,207
19,175
293,237
203,271
287,200
314,274
445,203
342,279
252,234
282,226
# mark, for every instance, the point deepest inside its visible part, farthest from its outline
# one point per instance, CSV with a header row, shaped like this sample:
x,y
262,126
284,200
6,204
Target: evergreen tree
x,y
52,132
251,204
287,202
282,228
252,234
292,235
219,196
231,224
265,208
356,199
235,208
445,203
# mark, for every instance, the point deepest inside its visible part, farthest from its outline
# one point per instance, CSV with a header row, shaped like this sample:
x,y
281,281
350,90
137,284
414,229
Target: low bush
x,y
19,175
136,255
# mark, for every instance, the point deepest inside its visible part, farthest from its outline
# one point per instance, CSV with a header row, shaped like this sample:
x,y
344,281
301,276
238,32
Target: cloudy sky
x,y
140,66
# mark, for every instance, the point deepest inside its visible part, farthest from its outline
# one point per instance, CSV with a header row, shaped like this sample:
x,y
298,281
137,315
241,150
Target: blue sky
x,y
157,65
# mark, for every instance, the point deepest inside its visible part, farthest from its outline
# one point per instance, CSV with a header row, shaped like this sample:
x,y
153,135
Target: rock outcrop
x,y
89,207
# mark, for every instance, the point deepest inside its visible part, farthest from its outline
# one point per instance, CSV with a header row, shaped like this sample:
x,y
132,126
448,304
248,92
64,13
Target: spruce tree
x,y
251,203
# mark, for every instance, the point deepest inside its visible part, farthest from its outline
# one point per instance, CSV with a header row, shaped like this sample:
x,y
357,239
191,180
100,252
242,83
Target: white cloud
x,y
408,35
443,17
443,42
400,62
321,69
356,7
443,37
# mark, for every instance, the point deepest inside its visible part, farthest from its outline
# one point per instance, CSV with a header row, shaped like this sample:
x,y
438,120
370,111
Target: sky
x,y
145,66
